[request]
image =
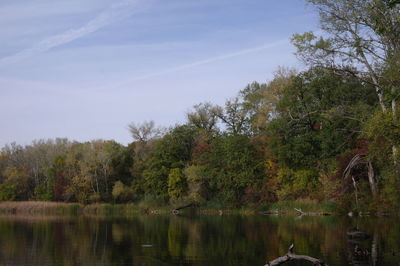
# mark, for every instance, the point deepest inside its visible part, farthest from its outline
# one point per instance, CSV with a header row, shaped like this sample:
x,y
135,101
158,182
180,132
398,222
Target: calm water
x,y
204,240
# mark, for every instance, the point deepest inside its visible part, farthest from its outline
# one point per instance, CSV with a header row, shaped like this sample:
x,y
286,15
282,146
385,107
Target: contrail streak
x,y
205,61
111,15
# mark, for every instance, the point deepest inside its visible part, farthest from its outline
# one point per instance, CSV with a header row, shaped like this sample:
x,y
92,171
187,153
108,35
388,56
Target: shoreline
x,y
36,208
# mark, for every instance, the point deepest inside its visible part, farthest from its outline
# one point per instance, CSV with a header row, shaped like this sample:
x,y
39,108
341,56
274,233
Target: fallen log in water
x,y
292,256
176,210
312,213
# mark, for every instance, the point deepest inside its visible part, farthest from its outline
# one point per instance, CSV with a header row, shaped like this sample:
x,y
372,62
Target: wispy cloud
x,y
204,62
116,12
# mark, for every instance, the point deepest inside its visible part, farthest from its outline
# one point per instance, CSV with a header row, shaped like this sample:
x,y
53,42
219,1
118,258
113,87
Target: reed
x,y
151,206
40,208
105,209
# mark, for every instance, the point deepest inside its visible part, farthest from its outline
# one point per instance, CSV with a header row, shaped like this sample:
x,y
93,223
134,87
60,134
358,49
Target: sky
x,y
85,69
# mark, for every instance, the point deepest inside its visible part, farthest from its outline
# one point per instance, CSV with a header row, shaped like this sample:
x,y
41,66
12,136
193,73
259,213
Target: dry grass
x,y
39,207
102,209
26,208
35,218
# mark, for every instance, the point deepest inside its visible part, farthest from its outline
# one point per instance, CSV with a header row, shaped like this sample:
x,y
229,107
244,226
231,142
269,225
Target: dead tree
x,y
359,159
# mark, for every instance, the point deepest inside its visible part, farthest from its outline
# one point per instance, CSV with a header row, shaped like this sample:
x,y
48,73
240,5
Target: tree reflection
x,y
206,240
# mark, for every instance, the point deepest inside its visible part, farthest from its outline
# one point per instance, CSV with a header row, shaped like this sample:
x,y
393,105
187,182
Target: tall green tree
x,y
174,150
320,115
361,37
260,99
231,166
235,117
204,116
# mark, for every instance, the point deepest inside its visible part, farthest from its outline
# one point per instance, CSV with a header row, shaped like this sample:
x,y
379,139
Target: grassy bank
x,y
75,209
151,208
310,206
40,208
281,208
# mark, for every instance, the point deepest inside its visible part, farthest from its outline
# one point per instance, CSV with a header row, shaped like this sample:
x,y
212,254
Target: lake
x,y
198,240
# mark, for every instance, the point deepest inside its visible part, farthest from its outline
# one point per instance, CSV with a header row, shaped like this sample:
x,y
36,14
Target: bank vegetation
x,y
329,134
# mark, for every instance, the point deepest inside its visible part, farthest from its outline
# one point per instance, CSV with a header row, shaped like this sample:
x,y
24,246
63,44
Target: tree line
x,y
328,133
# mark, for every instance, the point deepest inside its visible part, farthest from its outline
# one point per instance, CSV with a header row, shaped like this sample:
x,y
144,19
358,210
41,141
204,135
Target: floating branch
x,y
311,213
292,256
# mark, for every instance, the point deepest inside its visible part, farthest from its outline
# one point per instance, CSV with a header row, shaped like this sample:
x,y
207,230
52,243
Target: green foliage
x,y
204,117
286,139
260,100
118,189
362,34
297,184
197,180
150,202
384,134
319,114
44,192
15,186
121,193
233,164
235,117
174,150
390,191
94,198
8,192
392,3
79,190
177,184
383,125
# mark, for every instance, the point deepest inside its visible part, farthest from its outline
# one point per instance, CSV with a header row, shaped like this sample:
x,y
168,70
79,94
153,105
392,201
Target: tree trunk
x,y
106,179
371,179
361,159
394,147
355,190
380,97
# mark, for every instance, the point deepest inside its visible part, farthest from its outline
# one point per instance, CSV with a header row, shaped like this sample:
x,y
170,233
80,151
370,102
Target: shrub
x,y
122,193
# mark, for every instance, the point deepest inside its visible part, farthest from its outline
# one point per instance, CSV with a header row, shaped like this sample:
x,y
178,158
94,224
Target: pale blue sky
x,y
85,69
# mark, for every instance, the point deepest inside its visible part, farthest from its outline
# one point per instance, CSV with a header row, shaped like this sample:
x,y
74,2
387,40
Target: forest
x,y
329,133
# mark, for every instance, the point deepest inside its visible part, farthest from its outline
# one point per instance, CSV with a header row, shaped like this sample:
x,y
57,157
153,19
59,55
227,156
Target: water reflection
x,y
205,240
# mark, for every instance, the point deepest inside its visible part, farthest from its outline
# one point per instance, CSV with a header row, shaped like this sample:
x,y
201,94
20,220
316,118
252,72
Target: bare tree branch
x,y
292,256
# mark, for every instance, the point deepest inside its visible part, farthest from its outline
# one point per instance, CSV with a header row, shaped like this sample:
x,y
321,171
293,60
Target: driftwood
x,y
176,210
292,256
312,213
